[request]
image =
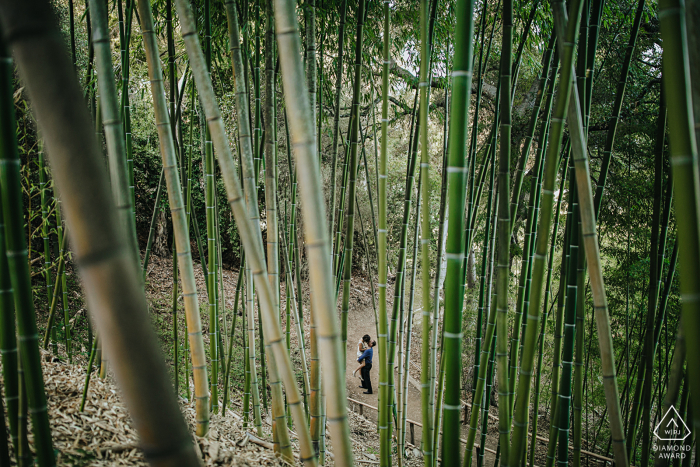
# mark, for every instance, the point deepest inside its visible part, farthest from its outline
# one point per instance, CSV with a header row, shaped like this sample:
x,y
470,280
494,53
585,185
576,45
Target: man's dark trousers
x,y
366,380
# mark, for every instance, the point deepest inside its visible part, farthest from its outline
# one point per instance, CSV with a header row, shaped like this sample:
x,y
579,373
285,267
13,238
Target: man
x,y
367,358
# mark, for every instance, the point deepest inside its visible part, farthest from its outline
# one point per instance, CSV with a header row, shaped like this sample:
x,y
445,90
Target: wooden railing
x,y
412,424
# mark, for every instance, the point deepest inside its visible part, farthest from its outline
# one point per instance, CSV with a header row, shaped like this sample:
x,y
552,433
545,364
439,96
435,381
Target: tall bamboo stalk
x,y
454,250
248,230
382,265
172,178
590,241
8,337
315,229
426,403
350,212
336,110
273,236
684,164
503,260
15,248
110,277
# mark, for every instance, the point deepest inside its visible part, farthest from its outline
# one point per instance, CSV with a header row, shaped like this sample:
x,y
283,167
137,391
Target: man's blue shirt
x,y
367,355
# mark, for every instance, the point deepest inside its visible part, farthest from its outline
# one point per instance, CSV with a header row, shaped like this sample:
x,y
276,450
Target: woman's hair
x,y
366,338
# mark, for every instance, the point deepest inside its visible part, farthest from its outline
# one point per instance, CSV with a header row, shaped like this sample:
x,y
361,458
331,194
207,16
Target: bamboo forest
x,y
215,215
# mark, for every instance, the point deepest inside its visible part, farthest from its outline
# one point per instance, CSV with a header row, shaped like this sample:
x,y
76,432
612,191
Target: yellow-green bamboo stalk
x,y
249,232
270,111
426,403
172,178
684,164
315,227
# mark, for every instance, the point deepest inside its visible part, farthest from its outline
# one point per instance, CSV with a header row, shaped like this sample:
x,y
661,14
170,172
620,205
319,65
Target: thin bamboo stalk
x,y
172,178
684,164
426,402
8,336
590,241
503,232
273,235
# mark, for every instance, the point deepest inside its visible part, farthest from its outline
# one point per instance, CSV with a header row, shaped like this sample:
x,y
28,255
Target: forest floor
x,y
103,434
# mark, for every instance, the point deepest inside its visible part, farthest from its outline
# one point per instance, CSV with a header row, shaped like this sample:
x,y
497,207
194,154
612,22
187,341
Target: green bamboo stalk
x,y
336,110
273,235
45,228
316,231
426,403
248,230
64,283
350,212
566,46
484,303
531,224
113,128
503,260
249,177
15,246
88,374
454,249
545,310
409,325
480,400
8,337
590,241
684,165
172,178
470,182
310,58
174,312
382,265
230,341
490,357
654,282
49,334
298,323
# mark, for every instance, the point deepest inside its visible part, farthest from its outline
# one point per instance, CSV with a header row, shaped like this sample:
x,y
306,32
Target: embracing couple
x,y
365,352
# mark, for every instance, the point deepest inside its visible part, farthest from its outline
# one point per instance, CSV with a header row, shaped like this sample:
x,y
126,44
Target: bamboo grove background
x,y
517,181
